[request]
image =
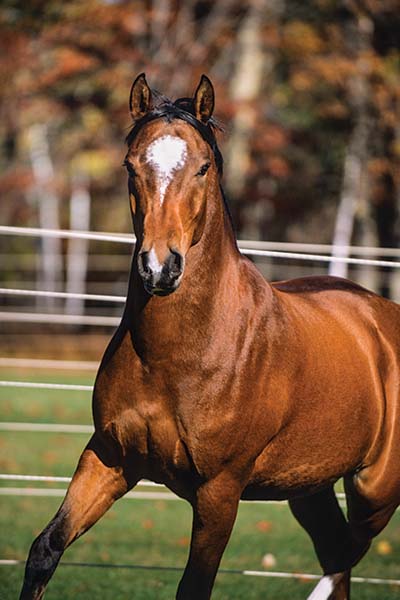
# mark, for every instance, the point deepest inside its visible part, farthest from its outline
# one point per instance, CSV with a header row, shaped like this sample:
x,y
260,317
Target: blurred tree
x,y
293,84
50,271
354,188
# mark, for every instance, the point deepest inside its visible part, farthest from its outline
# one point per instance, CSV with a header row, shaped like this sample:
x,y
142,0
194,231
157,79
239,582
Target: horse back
x,y
319,283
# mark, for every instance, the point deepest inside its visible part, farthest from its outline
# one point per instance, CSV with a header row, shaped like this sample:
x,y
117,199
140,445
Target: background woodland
x,y
308,94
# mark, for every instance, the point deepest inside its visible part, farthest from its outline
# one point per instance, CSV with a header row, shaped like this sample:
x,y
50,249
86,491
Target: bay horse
x,y
222,386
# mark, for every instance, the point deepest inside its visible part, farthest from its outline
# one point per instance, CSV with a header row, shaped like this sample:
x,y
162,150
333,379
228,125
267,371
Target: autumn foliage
x,y
292,80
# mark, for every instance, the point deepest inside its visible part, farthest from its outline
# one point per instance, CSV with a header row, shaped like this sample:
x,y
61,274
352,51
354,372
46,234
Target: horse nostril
x,y
143,263
176,263
158,278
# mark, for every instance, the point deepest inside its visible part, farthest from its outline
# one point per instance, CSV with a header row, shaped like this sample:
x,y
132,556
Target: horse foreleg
x,y
96,484
214,513
335,546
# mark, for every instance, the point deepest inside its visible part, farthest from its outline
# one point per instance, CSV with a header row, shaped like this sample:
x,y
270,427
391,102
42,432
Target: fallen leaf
x,y
264,526
268,561
384,547
148,524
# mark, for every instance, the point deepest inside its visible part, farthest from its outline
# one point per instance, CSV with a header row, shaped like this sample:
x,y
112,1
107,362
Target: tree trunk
x,y
355,164
395,283
367,276
252,66
50,266
77,256
354,173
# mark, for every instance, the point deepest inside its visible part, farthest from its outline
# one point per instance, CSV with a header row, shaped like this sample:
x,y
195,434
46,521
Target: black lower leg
x,y
323,519
44,557
342,589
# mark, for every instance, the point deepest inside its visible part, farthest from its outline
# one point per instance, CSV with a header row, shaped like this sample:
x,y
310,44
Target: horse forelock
x,y
182,109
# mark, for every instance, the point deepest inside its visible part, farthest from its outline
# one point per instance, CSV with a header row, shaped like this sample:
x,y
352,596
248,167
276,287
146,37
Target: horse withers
x,y
222,386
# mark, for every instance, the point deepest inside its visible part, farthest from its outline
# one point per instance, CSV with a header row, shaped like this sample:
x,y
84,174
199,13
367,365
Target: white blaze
x,y
153,262
166,155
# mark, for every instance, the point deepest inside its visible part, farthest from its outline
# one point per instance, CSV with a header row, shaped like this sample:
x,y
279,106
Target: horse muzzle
x,y
160,279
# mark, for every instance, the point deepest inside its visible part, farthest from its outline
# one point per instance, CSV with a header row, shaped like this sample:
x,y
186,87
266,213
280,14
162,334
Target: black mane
x,y
182,109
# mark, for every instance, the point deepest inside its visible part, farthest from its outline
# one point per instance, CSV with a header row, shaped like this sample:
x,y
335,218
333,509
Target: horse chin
x,y
161,290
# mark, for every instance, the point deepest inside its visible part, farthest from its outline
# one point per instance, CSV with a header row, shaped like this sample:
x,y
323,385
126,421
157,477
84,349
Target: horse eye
x,y
129,168
203,169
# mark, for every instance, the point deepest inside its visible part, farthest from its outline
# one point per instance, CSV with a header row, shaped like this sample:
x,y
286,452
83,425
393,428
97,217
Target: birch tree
x,y
77,254
48,202
355,163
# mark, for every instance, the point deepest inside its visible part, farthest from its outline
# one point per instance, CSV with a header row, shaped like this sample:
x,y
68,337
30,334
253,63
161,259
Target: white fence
x,y
272,250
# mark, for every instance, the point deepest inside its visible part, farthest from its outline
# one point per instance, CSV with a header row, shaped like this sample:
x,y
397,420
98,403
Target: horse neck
x,y
209,281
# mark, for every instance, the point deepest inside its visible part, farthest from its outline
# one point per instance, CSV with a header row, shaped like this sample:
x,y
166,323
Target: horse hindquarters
x,y
373,493
93,489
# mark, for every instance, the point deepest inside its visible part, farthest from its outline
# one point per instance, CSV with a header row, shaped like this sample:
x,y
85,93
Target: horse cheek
x,y
132,202
199,220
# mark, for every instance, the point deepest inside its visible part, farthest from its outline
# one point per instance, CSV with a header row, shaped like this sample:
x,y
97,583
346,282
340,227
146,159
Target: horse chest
x,y
184,427
163,447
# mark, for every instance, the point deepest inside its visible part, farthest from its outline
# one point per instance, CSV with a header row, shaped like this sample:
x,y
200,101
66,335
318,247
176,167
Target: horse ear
x,y
140,98
204,100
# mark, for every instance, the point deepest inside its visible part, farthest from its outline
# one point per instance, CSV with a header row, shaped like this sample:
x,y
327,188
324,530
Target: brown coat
x,y
223,386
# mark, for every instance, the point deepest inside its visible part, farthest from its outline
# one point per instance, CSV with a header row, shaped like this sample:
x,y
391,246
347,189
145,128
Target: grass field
x,y
144,532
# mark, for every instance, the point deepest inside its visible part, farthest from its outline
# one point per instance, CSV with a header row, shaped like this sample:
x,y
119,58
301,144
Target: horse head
x,y
172,160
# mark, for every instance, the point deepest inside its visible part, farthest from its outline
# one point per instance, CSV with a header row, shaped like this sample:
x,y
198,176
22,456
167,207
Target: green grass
x,y
43,405
146,532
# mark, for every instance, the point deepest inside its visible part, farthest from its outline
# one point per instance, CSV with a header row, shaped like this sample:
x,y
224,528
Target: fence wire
x,y
263,249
